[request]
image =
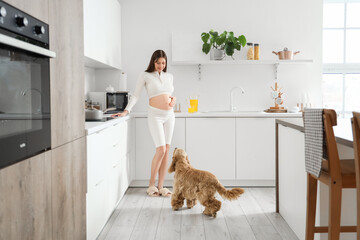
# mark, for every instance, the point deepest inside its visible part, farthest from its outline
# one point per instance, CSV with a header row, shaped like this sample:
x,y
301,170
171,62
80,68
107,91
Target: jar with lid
x,y
256,51
249,51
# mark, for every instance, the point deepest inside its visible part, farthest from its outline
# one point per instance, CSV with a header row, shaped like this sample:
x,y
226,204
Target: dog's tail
x,y
229,194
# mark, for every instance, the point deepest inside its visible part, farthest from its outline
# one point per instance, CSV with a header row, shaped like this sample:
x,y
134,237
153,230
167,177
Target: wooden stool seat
x,y
348,175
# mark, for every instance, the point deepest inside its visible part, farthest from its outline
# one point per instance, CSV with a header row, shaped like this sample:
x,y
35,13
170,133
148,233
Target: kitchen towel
x,y
315,144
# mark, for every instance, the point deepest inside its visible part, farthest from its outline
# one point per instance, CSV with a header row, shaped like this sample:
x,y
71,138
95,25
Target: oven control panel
x,y
21,23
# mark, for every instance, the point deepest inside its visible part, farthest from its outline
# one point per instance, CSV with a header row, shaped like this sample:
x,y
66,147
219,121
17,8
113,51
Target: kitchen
x,y
112,45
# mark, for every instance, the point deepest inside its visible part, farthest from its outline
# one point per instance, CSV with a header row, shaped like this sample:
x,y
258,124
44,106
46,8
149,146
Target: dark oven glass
x,y
24,86
117,100
24,104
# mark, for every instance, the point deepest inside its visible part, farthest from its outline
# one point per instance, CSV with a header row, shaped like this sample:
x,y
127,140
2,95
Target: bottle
x,y
256,51
249,51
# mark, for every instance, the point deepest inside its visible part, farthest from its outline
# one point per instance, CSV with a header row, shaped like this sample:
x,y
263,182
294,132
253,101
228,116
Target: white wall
x,y
148,25
89,81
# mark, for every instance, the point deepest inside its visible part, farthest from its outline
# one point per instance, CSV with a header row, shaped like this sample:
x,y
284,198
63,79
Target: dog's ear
x,y
172,165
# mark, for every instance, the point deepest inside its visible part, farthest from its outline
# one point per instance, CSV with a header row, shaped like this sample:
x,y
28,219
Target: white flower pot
x,y
217,54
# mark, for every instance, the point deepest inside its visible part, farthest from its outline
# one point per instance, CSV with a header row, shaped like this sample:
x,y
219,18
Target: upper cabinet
x,y
102,34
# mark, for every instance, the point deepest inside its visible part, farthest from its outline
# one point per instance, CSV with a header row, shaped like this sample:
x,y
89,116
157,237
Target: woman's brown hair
x,y
156,55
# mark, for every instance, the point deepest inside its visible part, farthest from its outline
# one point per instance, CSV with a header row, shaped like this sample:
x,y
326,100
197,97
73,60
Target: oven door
x,y
24,100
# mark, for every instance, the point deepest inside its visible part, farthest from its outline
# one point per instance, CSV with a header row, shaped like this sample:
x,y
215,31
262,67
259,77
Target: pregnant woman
x,y
161,118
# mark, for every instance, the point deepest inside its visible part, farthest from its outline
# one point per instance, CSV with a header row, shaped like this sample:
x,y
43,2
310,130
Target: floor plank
x,y
148,220
192,223
251,217
266,200
169,226
260,224
216,228
238,226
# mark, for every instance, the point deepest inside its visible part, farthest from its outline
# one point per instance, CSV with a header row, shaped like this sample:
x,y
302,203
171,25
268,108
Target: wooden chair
x,y
335,173
355,122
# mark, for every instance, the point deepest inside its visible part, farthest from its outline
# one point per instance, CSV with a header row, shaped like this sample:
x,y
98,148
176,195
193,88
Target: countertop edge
x,y
339,139
93,127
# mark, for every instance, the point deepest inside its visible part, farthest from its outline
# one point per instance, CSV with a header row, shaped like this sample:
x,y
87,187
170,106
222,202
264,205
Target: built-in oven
x,y
24,85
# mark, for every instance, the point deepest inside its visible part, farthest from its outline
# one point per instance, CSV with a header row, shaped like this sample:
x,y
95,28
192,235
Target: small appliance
x,y
117,100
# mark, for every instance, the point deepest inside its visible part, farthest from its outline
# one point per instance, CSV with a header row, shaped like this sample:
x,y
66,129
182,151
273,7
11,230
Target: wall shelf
x,y
276,63
240,62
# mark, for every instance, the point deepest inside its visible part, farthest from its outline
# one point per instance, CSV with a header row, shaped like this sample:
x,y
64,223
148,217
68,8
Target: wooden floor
x,y
251,217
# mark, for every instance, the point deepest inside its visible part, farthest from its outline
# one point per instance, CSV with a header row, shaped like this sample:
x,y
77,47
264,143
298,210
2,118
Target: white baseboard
x,y
226,183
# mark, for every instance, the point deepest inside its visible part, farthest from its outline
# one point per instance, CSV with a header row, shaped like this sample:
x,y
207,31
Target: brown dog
x,y
193,184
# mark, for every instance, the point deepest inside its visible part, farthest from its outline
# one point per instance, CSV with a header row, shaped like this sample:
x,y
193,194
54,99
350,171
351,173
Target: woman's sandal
x,y
165,192
152,191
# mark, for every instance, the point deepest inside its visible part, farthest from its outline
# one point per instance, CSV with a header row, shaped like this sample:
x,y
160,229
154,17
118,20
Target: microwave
x,y
117,100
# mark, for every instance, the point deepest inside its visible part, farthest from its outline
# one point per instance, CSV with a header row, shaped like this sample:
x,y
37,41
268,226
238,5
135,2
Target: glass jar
x,y
256,51
249,51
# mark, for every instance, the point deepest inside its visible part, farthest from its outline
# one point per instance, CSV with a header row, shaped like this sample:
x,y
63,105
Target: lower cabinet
x,y
292,194
25,199
239,151
68,190
43,197
210,145
109,175
145,147
255,149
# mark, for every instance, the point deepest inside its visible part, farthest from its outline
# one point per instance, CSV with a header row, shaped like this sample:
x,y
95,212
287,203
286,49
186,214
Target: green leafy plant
x,y
226,41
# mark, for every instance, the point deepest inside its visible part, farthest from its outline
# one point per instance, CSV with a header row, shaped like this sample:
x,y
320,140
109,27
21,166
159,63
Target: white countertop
x,y
92,127
221,114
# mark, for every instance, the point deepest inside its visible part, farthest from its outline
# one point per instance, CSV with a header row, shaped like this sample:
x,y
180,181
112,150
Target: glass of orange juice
x,y
194,104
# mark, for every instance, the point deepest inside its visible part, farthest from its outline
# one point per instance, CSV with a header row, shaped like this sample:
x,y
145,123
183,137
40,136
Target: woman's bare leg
x,y
155,164
163,167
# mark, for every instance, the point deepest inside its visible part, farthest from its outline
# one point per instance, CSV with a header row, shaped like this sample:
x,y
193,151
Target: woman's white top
x,y
155,83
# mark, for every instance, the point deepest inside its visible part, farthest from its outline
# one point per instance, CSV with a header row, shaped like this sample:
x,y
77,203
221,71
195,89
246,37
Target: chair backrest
x,y
330,120
355,122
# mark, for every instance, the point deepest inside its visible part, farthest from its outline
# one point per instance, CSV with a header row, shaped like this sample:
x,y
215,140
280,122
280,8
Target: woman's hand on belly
x,y
172,101
162,101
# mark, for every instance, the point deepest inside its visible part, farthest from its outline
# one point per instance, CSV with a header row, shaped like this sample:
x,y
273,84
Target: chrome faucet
x,y
232,107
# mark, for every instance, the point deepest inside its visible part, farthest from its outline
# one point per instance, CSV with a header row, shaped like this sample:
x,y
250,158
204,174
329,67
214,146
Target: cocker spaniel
x,y
193,184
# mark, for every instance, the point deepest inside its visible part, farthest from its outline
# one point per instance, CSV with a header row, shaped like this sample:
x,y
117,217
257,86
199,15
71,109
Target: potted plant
x,y
225,43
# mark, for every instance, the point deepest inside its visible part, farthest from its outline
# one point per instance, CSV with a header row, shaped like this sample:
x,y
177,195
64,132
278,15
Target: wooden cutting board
x,y
275,110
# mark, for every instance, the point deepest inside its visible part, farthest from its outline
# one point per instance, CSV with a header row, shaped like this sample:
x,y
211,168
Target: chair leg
x,y
311,207
358,213
334,210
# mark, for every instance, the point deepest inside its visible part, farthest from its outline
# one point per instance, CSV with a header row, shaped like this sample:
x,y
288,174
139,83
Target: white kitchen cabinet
x,y
102,33
98,157
96,210
210,145
292,194
145,147
255,149
108,173
131,149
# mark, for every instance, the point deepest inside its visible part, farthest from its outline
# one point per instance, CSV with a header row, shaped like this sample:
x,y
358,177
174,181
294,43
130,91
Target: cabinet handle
x,y
99,182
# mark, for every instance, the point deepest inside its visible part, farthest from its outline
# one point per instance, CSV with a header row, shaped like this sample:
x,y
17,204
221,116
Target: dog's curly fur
x,y
193,184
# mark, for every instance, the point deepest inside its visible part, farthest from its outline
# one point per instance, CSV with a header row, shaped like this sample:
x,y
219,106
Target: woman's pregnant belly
x,y
161,102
